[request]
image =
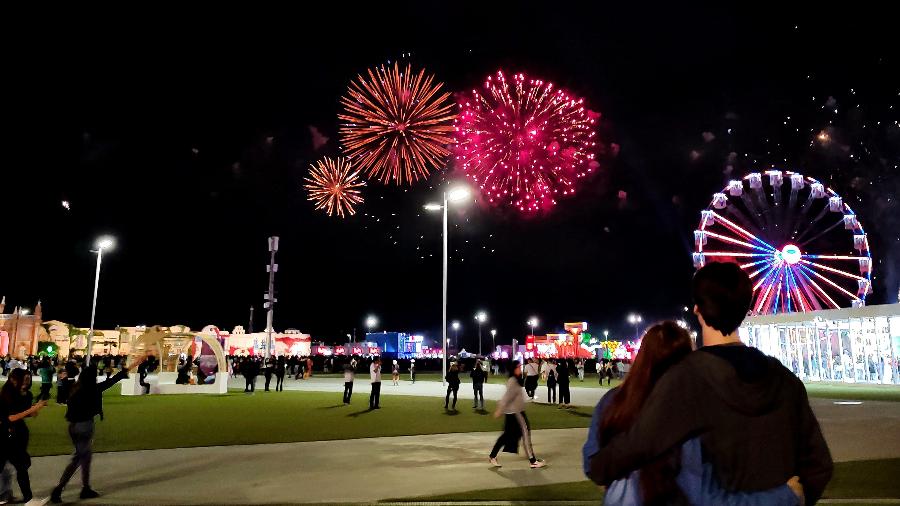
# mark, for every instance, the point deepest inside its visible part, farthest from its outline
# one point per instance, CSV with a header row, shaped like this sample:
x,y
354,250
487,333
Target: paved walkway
x,y
367,470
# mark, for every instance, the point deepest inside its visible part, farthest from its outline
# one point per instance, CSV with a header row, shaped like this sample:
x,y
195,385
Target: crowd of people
x,y
723,424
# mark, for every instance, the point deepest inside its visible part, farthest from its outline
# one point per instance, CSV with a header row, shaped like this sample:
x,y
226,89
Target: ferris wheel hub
x,y
790,254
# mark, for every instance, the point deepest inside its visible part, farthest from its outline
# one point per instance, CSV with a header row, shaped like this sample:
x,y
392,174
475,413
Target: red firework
x,y
397,124
524,142
333,187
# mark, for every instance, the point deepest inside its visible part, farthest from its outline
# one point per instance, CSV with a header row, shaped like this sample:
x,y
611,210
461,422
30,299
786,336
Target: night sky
x,y
187,136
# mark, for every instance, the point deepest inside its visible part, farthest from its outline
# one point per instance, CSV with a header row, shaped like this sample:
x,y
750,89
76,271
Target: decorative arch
x,y
154,336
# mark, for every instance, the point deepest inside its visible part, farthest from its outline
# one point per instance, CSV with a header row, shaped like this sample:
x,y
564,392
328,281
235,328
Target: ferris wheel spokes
x,y
853,296
823,295
735,228
832,269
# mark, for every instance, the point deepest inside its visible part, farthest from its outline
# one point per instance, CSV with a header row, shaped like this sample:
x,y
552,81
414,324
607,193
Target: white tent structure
x,y
853,345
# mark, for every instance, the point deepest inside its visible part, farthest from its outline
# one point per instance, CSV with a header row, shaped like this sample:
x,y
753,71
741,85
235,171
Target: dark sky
x,y
187,135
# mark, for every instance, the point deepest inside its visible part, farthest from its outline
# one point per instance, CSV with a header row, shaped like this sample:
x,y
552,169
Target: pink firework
x,y
524,141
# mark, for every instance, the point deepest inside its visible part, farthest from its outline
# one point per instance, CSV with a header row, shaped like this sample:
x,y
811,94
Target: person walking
x,y
551,383
250,370
349,373
280,369
579,366
375,373
515,423
531,378
412,371
268,370
45,369
15,407
478,377
562,377
85,402
395,373
452,385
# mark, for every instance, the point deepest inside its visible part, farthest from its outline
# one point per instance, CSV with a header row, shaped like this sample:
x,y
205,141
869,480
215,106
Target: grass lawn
x,y
854,392
865,479
173,421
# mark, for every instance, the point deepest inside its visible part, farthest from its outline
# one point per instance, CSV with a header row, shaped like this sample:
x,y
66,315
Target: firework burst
x,y
397,124
524,142
334,187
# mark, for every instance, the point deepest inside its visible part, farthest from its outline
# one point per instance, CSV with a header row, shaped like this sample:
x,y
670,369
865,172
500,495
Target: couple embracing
x,y
724,424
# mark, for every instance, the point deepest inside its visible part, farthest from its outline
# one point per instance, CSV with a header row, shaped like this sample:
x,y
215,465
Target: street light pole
x,y
444,293
105,242
493,340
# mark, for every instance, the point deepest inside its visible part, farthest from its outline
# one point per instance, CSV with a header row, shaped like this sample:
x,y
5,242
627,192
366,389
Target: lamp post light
x,y
103,243
635,319
480,317
371,323
532,322
455,326
493,340
453,195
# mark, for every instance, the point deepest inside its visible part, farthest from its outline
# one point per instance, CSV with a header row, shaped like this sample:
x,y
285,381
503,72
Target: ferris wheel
x,y
802,245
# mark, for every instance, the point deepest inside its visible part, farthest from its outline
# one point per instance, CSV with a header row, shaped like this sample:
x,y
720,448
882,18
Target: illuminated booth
x,y
853,345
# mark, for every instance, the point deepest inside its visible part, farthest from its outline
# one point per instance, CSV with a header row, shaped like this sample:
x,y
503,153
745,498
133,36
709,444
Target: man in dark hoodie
x,y
751,413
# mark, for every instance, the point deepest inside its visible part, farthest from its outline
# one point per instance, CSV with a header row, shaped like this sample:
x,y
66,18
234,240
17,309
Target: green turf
x,y
865,479
854,392
172,421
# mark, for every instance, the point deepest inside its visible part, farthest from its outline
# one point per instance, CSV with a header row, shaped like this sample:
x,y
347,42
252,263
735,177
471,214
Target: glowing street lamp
x,y
371,322
455,326
493,340
480,317
104,243
635,319
532,322
456,194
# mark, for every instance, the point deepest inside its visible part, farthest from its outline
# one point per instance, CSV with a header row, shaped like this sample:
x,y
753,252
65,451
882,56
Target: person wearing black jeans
x,y
562,377
551,384
349,373
478,376
280,369
15,406
375,372
267,371
85,402
249,368
452,385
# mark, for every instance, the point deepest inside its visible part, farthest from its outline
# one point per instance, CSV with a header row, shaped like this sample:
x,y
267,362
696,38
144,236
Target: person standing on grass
x,y
478,376
531,378
579,366
46,371
515,423
15,406
452,385
395,373
562,376
85,402
268,369
551,383
412,371
349,374
375,373
280,369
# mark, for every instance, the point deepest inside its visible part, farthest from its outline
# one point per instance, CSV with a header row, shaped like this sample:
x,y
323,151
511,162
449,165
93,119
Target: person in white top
x,y
531,378
349,373
375,373
515,426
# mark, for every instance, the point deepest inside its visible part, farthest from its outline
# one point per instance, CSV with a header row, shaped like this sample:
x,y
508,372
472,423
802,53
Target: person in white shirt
x,y
515,426
375,373
349,373
531,378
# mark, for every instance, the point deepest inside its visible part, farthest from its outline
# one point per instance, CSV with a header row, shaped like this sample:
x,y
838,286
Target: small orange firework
x,y
334,187
397,124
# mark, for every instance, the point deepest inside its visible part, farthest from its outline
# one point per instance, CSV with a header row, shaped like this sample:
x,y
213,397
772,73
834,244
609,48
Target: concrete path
x,y
368,470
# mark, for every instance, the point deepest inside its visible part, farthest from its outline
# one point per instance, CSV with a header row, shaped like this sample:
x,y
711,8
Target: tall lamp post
x,y
480,317
493,340
455,326
371,323
103,243
532,322
635,319
453,195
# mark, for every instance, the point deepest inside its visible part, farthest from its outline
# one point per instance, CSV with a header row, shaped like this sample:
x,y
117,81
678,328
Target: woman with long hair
x,y
15,407
515,423
85,402
679,476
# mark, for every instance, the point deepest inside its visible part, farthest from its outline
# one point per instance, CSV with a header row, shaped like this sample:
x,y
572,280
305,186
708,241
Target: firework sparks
x,y
397,124
333,186
524,142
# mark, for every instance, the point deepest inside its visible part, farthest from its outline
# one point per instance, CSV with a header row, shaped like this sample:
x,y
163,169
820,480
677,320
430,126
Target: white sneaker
x,y
538,464
495,463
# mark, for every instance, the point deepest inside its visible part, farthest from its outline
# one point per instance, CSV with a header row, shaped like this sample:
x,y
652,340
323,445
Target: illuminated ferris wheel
x,y
801,244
